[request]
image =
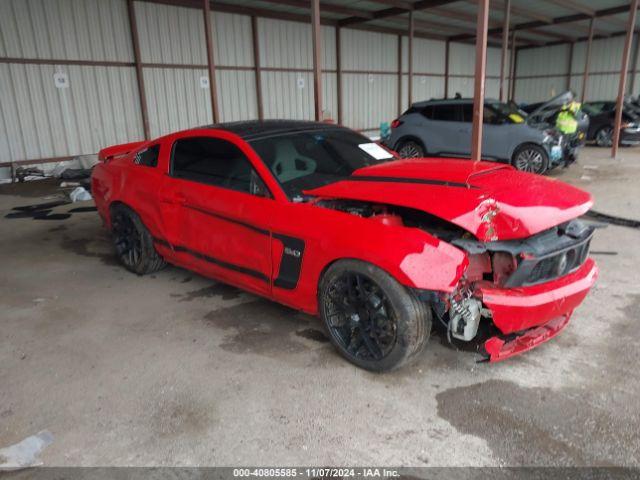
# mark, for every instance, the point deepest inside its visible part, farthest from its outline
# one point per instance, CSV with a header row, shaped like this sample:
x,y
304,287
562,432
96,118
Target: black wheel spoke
x,y
372,345
359,317
126,239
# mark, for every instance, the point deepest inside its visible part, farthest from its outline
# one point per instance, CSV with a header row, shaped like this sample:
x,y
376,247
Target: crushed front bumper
x,y
498,348
529,316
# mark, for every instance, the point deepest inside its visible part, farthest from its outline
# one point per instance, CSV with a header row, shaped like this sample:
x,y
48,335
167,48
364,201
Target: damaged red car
x,y
319,218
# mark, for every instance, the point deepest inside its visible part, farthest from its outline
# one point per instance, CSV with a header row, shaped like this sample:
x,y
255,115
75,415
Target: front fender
x,y
412,256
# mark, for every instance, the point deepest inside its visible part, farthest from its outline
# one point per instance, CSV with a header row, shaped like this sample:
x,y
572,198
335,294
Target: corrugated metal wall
x,y
287,60
101,104
369,79
542,72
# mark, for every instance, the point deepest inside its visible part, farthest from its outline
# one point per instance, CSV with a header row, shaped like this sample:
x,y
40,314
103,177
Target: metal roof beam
x,y
325,7
394,11
556,21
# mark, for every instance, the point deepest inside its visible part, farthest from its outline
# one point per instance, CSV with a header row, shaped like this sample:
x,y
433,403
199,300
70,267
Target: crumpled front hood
x,y
489,200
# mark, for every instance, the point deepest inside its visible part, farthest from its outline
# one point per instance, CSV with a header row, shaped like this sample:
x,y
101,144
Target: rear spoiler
x,y
110,153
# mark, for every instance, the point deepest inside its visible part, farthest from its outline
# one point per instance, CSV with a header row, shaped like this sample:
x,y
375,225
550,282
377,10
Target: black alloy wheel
x,y
604,136
133,243
373,321
360,317
531,158
127,239
411,149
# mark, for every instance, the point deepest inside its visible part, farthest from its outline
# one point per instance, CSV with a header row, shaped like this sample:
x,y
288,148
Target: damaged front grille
x,y
543,257
558,264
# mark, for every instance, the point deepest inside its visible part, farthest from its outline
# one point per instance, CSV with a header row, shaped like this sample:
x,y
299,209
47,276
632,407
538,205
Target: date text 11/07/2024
x,y
371,472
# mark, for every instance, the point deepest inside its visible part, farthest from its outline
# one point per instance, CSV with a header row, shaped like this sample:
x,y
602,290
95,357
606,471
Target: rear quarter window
x,y
148,157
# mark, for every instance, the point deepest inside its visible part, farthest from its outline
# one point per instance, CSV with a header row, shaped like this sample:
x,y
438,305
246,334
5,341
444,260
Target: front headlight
x,y
552,137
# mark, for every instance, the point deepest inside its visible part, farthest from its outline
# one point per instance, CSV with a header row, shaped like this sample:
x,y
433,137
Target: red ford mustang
x,y
319,218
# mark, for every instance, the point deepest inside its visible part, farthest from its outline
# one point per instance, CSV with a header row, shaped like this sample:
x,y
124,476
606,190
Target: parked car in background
x,y
602,119
547,114
443,128
319,218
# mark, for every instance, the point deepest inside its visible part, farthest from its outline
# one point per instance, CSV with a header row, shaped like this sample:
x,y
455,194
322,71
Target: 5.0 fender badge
x,y
292,252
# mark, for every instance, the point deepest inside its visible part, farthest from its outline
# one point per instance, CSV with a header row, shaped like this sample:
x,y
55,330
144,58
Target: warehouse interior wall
x,y
543,72
88,43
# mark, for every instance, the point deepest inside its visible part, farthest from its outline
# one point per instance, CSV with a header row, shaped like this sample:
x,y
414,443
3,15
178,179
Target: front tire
x,y
372,320
604,136
133,242
411,149
530,158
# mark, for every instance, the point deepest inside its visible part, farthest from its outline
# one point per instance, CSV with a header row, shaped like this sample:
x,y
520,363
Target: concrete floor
x,y
175,369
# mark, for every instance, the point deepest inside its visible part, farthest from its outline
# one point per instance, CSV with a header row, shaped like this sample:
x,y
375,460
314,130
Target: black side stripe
x,y
290,263
423,181
215,261
228,219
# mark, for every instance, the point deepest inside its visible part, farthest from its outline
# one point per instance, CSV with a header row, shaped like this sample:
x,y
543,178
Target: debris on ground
x,y
79,194
29,173
25,454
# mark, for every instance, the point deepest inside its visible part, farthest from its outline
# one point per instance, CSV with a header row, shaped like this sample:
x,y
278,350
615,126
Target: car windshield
x,y
594,108
508,111
307,160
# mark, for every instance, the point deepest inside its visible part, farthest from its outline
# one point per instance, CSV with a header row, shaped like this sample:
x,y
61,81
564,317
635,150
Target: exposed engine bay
x,y
545,256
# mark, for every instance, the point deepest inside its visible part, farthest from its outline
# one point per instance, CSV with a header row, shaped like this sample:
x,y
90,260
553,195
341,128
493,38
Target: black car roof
x,y
255,129
451,101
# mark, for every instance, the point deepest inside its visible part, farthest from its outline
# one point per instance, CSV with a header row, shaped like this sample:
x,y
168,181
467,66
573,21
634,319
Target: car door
x,y
447,130
497,136
221,228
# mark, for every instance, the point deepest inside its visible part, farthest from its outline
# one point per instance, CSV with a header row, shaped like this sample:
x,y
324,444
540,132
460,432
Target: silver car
x,y
443,128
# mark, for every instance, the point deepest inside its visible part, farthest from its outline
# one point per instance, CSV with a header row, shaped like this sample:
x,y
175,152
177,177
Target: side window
x,y
216,162
489,115
446,113
467,112
427,112
148,157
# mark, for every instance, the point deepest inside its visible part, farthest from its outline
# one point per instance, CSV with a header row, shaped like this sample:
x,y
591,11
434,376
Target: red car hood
x,y
492,201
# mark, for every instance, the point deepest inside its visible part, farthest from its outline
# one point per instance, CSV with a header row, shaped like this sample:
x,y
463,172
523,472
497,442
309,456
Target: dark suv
x,y
443,127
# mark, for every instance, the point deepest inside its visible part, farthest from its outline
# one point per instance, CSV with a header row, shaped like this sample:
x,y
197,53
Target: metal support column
x,y
256,64
399,100
570,65
142,94
206,11
479,80
446,69
317,58
512,67
587,61
410,60
505,48
339,75
623,76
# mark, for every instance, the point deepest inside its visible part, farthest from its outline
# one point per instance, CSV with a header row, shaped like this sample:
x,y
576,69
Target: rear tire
x,y
372,320
411,149
530,158
133,242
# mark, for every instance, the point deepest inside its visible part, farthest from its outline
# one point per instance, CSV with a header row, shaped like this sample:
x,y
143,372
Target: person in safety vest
x,y
567,124
566,121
